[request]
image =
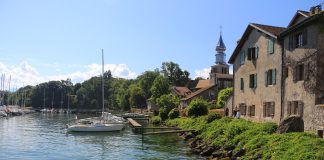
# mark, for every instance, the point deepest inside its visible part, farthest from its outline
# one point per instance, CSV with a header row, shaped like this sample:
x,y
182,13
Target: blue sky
x,y
55,39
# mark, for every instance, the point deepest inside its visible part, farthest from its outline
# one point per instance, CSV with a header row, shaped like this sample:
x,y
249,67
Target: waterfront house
x,y
257,68
279,71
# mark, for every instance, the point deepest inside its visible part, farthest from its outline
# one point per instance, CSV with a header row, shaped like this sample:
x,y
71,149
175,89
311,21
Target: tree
x,y
137,97
160,87
223,95
174,73
168,101
146,80
198,107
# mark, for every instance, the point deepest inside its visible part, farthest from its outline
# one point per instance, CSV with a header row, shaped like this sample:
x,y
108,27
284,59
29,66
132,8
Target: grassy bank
x,y
257,140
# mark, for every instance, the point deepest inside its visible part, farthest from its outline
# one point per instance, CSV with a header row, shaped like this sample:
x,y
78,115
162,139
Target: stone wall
x,y
317,118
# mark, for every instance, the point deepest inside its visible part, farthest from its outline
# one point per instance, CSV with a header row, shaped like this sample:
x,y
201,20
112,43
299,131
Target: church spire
x,y
220,49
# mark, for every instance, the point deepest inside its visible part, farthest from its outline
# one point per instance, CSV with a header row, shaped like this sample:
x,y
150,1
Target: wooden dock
x,y
134,123
138,128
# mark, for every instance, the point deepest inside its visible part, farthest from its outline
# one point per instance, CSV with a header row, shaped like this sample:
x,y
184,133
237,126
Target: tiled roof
x,y
306,13
181,91
202,83
272,31
302,23
198,92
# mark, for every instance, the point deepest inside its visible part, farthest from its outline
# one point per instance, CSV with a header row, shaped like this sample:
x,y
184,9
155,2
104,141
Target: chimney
x,y
315,10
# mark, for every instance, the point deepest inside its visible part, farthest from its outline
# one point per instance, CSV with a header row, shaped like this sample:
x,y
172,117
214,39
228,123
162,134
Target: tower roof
x,y
220,45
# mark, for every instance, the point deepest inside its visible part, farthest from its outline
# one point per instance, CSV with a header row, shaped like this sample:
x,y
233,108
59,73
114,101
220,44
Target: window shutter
x,y
294,72
291,42
306,71
256,52
255,81
264,109
248,110
266,78
270,45
300,108
272,109
305,37
241,57
274,76
251,81
288,108
249,54
242,84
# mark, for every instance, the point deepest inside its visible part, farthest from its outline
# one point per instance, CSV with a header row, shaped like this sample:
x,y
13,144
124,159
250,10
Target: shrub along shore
x,y
231,138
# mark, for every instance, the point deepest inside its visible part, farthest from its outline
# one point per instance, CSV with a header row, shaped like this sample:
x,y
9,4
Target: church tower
x,y
220,67
220,49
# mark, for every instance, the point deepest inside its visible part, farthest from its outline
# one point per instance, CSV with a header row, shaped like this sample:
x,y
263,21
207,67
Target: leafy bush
x,y
198,107
258,139
223,96
156,120
174,113
168,101
163,113
213,116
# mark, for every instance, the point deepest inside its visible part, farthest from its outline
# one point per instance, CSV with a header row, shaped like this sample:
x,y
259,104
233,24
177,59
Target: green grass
x,y
258,139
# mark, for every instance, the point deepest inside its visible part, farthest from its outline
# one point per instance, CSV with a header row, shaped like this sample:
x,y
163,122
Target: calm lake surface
x,y
43,136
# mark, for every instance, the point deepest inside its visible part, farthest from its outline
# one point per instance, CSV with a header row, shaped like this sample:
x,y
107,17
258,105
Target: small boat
x,y
3,114
106,123
97,127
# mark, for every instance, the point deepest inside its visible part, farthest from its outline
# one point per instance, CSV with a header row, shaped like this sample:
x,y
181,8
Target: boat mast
x,y
8,91
102,81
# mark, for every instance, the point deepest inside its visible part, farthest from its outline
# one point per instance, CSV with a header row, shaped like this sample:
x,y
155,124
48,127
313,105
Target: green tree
x,y
168,101
174,73
198,107
137,97
223,95
146,80
160,87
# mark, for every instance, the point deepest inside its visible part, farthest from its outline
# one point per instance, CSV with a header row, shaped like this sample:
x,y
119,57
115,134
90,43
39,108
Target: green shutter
x,y
266,78
242,84
271,45
256,52
274,76
255,81
242,57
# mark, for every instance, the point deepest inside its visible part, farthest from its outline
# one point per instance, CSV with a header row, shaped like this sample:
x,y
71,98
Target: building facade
x,y
257,68
279,71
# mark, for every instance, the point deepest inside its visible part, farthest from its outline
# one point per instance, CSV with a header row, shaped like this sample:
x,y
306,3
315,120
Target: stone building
x,y
257,68
303,64
279,72
219,78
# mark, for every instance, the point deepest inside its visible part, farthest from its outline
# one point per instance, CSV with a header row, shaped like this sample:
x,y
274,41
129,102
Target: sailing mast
x,y
8,91
102,85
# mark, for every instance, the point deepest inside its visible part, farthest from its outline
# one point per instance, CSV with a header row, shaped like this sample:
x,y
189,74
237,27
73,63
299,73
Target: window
x,y
253,53
253,80
298,40
268,109
270,77
242,109
251,110
242,57
270,45
242,84
298,73
295,108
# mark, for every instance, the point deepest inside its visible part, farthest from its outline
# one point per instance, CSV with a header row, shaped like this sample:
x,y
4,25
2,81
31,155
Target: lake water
x,y
43,136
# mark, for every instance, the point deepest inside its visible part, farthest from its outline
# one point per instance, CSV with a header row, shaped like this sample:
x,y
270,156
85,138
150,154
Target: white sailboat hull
x,y
95,128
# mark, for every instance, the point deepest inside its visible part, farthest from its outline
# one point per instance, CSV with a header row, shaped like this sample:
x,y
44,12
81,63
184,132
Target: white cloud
x,y
22,74
117,70
203,73
25,74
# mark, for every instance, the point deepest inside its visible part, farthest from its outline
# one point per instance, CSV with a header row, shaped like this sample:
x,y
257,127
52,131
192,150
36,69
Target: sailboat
x,y
106,123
